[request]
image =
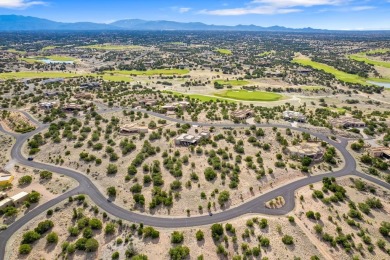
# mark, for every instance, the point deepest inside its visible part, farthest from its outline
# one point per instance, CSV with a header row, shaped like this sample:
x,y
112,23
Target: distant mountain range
x,y
28,23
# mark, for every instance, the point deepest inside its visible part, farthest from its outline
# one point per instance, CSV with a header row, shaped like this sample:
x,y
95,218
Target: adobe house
x,y
242,114
132,129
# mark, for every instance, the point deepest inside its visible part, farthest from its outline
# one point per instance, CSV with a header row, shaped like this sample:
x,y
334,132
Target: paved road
x,y
256,205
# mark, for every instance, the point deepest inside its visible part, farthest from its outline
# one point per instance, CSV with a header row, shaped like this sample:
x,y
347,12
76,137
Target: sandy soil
x,y
336,211
158,248
6,143
14,120
190,198
49,189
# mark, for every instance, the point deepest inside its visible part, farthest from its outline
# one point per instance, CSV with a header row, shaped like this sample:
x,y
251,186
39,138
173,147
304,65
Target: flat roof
x,y
5,201
5,177
19,196
384,148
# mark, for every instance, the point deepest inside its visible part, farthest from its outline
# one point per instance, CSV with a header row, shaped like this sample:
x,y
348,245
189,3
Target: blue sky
x,y
327,14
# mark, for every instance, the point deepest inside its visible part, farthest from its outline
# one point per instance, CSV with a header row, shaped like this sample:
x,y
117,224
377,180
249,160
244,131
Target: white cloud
x,y
183,10
304,3
362,8
274,7
15,4
255,10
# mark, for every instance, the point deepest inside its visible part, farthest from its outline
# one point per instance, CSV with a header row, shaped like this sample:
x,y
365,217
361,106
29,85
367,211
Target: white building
x,y
19,198
294,116
187,139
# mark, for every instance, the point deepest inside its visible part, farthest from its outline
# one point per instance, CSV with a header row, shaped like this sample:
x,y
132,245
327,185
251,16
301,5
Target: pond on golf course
x,y
382,84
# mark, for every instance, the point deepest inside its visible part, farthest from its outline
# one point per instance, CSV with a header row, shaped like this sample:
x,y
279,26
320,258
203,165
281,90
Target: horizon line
x,y
232,26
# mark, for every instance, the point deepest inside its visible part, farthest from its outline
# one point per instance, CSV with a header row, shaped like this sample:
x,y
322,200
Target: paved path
x,y
257,205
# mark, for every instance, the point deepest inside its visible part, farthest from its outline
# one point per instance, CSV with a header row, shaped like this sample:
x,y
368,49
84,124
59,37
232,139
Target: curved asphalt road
x,y
256,205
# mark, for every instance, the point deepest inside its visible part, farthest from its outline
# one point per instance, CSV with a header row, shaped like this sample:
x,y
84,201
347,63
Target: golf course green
x,y
224,51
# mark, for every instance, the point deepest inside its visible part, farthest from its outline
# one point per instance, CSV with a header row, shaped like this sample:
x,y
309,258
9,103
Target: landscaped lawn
x,y
224,51
340,75
250,95
110,47
151,72
233,82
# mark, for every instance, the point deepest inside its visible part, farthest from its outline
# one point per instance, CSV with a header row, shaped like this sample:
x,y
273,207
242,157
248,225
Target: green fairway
x,y
250,95
199,97
49,74
151,72
233,82
340,75
110,47
33,74
15,51
378,51
363,57
59,58
117,78
224,51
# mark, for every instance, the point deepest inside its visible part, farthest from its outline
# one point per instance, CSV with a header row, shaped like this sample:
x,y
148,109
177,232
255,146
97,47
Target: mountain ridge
x,y
29,23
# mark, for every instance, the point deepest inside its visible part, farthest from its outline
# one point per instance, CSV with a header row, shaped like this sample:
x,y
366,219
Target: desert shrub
x,y
44,226
177,237
223,197
46,175
91,245
24,249
216,231
179,252
151,232
25,180
109,229
288,240
33,197
52,238
111,191
30,237
199,235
